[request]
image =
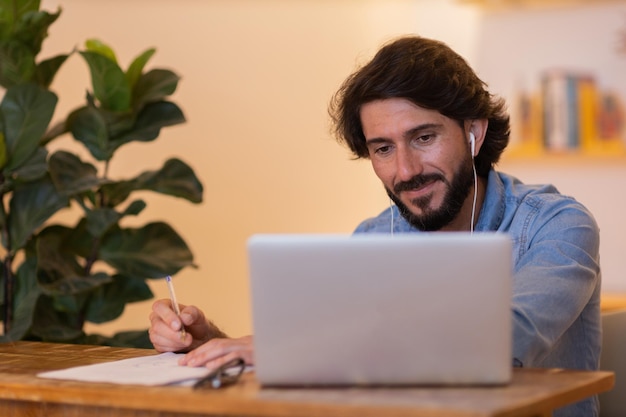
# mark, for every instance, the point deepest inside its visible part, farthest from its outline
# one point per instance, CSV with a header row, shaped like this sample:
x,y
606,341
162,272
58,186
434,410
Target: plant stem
x,y
8,292
93,257
7,267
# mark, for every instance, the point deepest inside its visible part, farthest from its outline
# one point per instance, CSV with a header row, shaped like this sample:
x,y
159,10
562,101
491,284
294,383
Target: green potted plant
x,y
57,277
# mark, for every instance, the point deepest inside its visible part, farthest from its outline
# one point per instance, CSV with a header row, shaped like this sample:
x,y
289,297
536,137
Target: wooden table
x,y
612,302
533,392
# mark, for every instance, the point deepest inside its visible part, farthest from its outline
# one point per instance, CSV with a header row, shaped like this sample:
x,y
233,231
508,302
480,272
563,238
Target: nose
x,y
408,164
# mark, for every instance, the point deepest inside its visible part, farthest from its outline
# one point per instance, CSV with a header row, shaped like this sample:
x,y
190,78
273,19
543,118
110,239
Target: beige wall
x,y
256,79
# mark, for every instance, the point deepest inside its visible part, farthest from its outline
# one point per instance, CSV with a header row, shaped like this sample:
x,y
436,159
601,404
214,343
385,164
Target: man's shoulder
x,y
542,202
534,195
386,221
382,223
513,187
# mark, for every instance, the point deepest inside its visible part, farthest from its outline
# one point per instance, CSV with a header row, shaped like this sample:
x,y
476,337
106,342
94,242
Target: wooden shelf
x,y
510,157
519,4
605,152
612,302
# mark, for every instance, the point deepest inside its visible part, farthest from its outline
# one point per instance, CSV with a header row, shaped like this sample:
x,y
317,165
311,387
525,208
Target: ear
x,y
478,127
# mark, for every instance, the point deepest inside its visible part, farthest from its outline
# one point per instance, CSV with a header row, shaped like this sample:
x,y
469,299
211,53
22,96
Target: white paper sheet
x,y
161,369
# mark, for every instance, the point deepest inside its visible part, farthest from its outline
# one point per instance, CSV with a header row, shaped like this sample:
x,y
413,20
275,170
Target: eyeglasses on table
x,y
225,375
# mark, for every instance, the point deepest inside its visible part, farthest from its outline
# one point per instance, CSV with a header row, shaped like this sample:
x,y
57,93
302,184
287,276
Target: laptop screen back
x,y
379,309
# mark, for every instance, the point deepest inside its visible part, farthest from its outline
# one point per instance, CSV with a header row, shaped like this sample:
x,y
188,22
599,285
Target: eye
x,y
381,150
423,139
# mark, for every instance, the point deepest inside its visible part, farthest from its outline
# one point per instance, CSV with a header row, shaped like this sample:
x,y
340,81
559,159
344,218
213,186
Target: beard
x,y
432,219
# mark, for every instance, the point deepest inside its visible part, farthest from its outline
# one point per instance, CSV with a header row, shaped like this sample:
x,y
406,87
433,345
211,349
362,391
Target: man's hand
x,y
165,327
218,351
207,345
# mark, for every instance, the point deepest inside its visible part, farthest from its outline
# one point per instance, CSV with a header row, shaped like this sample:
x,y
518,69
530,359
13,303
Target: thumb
x,y
191,315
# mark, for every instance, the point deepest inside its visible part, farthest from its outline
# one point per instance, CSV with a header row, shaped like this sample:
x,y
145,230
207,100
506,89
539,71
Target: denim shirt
x,y
556,279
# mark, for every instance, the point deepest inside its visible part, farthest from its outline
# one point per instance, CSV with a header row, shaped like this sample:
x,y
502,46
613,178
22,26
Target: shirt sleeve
x,y
556,277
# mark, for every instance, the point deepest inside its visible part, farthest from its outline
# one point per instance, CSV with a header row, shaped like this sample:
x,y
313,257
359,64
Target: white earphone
x,y
391,223
472,141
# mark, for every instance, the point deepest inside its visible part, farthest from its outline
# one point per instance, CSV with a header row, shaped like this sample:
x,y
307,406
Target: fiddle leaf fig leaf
x,y
17,63
136,67
99,221
58,271
23,7
32,28
47,69
72,284
27,110
10,15
158,115
89,127
78,240
116,192
70,303
31,205
26,281
135,208
34,168
109,83
54,264
155,85
70,175
175,178
26,295
108,301
22,33
152,251
99,47
50,324
118,123
135,338
23,317
150,120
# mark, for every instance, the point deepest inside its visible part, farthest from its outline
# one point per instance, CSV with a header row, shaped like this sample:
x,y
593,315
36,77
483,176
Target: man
x,y
433,134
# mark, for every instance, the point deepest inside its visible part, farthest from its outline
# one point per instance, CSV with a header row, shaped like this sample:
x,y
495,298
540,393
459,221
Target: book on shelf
x,y
570,114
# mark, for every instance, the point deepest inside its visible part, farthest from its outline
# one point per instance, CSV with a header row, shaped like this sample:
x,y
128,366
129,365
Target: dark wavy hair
x,y
431,75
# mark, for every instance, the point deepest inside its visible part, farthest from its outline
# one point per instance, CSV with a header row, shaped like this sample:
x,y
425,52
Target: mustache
x,y
416,182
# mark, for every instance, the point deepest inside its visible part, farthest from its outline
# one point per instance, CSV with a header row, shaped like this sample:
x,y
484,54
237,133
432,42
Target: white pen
x,y
170,287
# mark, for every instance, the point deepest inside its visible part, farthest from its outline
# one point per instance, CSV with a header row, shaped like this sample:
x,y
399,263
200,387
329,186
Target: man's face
x,y
423,160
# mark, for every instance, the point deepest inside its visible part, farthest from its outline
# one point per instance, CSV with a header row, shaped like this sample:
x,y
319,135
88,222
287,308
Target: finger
x,y
219,350
165,339
162,343
163,310
209,351
191,315
167,344
217,362
247,354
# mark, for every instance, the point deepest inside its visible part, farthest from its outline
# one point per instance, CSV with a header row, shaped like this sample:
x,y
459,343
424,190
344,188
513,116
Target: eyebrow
x,y
409,133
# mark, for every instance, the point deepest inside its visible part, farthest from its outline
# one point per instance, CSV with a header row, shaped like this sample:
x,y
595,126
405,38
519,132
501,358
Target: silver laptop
x,y
430,308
